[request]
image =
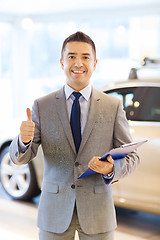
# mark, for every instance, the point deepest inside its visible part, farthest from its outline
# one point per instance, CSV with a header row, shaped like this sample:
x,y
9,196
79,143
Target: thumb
x,y
29,114
110,159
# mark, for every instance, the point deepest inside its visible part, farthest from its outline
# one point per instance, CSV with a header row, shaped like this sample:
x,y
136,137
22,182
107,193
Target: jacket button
x,y
73,186
16,154
76,164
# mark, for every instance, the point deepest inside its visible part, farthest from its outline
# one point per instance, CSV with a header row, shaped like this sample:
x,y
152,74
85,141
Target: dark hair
x,y
78,37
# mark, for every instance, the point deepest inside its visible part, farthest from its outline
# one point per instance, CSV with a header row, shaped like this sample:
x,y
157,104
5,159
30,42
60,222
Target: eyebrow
x,y
73,53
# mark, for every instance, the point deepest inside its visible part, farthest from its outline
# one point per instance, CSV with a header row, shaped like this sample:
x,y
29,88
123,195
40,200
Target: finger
x,y
93,162
27,124
110,159
29,114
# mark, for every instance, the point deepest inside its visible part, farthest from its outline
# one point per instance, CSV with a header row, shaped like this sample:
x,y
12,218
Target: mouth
x,y
78,71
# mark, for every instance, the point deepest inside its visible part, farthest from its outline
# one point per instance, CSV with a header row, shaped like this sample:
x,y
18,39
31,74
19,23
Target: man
x,y
75,126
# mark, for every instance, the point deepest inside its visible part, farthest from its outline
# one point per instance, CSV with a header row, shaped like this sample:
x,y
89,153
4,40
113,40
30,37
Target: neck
x,y
77,88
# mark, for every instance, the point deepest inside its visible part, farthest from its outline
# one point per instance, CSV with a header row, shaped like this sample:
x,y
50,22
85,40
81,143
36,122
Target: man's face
x,y
78,62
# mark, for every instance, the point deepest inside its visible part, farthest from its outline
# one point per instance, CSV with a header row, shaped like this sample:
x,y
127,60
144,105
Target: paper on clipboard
x,y
116,153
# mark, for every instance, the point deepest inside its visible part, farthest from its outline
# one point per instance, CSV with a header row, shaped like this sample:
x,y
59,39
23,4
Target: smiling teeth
x,y
78,71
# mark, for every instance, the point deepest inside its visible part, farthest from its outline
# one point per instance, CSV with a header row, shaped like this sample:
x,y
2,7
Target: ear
x,y
95,64
61,61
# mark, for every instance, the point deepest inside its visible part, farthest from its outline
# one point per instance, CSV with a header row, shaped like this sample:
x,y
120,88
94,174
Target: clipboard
x,y
116,153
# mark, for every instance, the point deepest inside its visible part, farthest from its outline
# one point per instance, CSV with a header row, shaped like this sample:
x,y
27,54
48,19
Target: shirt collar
x,y
86,92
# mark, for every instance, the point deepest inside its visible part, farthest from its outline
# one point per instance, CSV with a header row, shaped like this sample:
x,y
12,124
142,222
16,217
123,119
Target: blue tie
x,y
75,120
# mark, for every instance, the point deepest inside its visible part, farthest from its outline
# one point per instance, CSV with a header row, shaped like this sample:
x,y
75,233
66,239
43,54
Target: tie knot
x,y
77,95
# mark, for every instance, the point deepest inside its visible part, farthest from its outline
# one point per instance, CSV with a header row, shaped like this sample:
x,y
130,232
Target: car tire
x,y
18,181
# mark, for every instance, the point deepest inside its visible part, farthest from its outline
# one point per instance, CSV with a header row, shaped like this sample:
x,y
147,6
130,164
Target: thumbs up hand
x,y
27,128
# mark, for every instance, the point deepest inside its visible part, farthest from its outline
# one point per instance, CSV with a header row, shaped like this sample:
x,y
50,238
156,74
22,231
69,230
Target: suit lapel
x,y
92,117
63,115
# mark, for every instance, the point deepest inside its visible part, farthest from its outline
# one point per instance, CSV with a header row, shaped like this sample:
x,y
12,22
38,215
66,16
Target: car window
x,y
140,103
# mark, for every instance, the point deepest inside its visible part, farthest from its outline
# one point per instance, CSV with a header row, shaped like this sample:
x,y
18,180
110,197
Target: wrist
x,y
109,171
109,175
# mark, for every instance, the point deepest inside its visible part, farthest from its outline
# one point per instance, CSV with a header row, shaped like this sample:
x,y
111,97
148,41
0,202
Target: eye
x,y
71,57
85,57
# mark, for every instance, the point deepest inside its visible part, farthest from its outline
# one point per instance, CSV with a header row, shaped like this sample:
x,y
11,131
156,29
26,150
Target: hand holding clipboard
x,y
116,153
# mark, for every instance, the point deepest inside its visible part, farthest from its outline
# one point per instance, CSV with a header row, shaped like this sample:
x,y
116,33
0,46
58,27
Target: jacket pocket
x,y
50,187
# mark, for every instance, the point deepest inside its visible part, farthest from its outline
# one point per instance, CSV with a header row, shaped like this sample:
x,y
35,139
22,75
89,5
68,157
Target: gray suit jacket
x,y
106,128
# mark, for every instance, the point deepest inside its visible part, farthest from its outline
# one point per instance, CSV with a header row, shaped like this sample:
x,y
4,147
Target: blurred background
x,y
31,36
32,33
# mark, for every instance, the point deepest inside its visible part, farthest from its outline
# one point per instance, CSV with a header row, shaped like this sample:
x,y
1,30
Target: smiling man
x,y
75,126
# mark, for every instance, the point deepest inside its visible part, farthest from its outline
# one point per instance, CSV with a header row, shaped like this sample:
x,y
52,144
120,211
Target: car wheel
x,y
19,181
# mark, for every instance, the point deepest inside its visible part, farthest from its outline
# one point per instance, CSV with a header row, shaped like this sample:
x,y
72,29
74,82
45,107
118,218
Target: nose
x,y
78,62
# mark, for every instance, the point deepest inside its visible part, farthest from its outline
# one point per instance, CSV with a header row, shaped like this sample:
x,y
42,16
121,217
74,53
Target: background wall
x,y
32,33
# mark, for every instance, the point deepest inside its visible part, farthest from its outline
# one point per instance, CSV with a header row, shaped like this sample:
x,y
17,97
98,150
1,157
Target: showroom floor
x,y
18,222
